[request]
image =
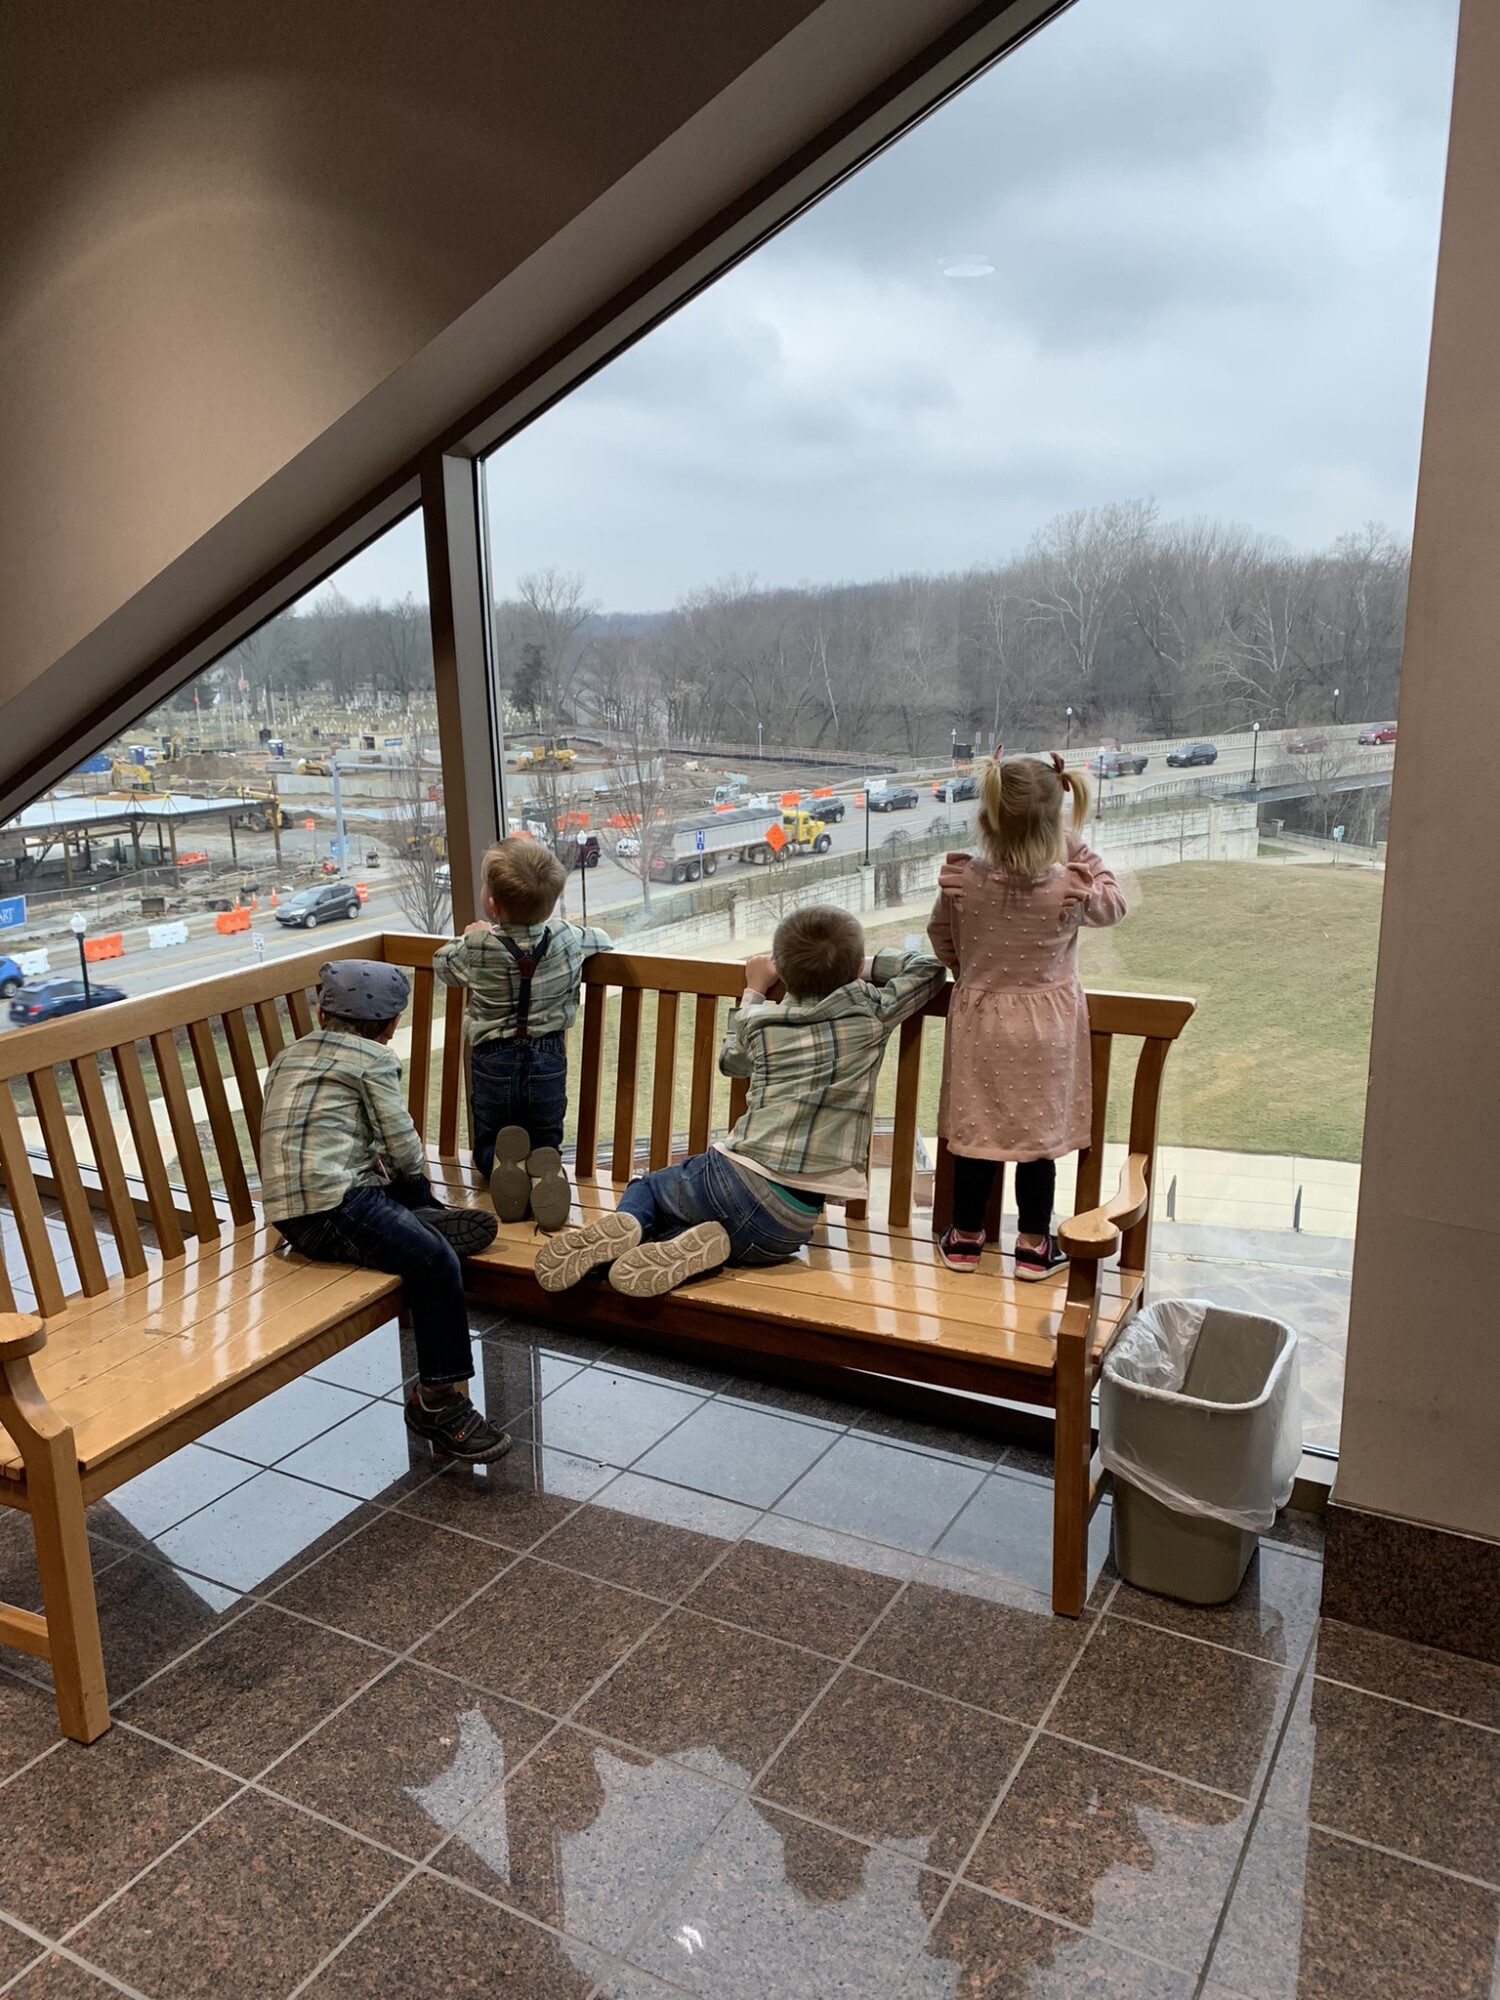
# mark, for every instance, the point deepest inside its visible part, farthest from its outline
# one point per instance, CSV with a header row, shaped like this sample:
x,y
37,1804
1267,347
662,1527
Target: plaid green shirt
x,y
482,964
334,1119
813,1067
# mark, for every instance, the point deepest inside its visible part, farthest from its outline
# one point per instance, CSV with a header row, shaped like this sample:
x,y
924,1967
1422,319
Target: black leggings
x,y
974,1181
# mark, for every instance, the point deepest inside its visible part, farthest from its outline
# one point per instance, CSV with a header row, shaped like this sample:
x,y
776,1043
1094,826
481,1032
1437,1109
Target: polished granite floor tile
x,y
371,1455
28,1722
811,1405
20,1580
290,1417
436,1941
1315,1917
17,1951
373,1366
572,1343
1272,1615
680,1370
149,1615
585,1837
944,1439
58,1978
1300,1529
248,1694
1006,1530
514,1502
1446,1682
978,1640
896,1765
511,1377
1397,1776
409,1758
878,1490
806,1599
159,1498
981,1949
707,1694
607,1415
774,1905
243,1910
80,1823
541,1634
394,1581
258,1531
748,1455
1128,1856
649,1536
1196,1711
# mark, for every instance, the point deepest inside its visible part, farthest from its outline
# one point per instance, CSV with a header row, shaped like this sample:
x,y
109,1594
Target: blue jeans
x,y
706,1188
519,1083
374,1227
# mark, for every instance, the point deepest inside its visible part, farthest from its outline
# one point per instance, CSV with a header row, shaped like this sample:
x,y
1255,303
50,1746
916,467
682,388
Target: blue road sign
x,y
12,913
699,841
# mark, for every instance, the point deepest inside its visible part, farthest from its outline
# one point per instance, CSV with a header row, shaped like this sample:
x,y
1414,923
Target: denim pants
x,y
519,1083
374,1227
706,1188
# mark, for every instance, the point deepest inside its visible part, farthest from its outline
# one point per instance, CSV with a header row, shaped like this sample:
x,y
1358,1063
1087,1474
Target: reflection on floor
x,y
719,1690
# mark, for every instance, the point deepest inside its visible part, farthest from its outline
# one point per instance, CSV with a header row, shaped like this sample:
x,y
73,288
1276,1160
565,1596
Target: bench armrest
x,y
1096,1233
20,1333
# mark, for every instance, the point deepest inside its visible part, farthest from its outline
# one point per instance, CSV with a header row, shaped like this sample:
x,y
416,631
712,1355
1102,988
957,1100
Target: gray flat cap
x,y
363,989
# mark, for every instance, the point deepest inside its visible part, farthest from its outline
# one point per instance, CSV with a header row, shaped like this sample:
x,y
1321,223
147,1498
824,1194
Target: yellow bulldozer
x,y
554,754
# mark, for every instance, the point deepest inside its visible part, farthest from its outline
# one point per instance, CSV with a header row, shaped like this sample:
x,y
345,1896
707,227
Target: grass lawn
x,y
1282,964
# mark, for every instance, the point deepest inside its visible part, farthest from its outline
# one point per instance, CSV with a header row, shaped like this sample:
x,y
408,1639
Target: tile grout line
x,y
1256,1813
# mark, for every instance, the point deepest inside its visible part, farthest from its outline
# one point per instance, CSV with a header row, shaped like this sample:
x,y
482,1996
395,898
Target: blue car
x,y
11,977
51,998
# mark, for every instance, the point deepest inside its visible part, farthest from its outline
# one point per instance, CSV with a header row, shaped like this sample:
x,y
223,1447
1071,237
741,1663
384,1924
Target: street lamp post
x,y
1335,707
760,739
1254,751
1069,744
78,924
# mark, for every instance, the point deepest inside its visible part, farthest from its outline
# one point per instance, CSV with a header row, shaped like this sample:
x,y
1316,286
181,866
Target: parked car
x,y
950,791
49,999
11,977
1307,746
1383,732
1192,753
323,905
895,798
1119,764
628,847
830,811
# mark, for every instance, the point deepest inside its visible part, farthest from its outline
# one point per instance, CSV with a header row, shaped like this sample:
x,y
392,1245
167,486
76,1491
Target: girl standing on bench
x,y
1017,1079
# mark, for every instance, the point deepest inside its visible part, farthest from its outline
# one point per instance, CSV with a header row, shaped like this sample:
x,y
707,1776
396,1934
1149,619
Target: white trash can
x,y
1200,1422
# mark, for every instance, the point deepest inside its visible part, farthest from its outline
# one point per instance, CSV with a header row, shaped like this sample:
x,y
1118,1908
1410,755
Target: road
x,y
609,887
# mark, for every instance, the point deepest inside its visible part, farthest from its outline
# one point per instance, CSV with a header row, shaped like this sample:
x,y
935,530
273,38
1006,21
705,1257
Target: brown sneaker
x,y
659,1267
566,1259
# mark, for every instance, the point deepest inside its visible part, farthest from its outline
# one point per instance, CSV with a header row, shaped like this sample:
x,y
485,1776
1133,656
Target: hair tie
x,y
1058,765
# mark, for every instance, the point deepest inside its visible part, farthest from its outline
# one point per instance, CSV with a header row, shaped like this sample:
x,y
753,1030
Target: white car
x,y
628,847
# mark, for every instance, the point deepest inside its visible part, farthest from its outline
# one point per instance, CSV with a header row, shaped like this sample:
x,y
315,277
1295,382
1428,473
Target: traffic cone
x,y
274,904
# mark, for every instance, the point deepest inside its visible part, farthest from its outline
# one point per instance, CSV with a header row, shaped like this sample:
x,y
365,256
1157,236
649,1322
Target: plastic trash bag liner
x,y
1202,1408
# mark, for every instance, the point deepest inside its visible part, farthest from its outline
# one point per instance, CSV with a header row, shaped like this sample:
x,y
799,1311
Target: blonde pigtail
x,y
1076,784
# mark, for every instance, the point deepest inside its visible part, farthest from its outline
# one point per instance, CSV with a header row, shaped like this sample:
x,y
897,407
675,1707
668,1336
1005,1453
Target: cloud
x,y
1214,233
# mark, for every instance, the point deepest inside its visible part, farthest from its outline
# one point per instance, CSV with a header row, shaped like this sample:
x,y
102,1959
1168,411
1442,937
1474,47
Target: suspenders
x,y
526,965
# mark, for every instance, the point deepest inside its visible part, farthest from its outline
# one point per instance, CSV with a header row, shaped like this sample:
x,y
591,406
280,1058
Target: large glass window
x,y
1085,417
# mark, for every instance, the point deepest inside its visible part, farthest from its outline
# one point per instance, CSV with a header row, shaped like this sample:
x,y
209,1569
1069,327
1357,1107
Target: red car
x,y
1307,746
1383,732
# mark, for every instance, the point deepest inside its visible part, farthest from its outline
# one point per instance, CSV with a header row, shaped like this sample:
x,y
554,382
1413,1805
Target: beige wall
x,y
254,255
1421,1435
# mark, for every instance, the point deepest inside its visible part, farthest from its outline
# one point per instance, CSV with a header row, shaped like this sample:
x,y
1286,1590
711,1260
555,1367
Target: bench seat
x,y
141,1369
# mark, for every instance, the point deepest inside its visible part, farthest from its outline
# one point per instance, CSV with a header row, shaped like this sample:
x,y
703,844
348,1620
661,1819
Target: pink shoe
x,y
1032,1265
959,1250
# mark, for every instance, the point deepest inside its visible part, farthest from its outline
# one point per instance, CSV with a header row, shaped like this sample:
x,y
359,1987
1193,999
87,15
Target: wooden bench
x,y
155,1304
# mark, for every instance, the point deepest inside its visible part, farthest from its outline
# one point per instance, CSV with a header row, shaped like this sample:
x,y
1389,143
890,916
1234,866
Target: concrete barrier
x,y
159,936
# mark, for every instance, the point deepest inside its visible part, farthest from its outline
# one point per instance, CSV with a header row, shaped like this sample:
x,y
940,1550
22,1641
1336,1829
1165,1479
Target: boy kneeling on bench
x,y
813,1060
344,1178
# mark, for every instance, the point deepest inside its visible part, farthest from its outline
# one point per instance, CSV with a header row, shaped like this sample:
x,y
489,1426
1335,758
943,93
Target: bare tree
x,y
555,609
415,835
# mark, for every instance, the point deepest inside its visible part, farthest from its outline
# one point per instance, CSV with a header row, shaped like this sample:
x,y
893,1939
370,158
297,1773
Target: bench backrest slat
x,y
108,1164
453,1092
26,1206
904,1135
221,1122
62,1156
299,1006
419,1062
705,1070
273,1041
246,1074
663,1080
590,1083
627,1079
160,1199
190,1163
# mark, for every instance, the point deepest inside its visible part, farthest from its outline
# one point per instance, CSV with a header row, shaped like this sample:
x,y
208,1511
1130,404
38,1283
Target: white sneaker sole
x,y
659,1267
566,1260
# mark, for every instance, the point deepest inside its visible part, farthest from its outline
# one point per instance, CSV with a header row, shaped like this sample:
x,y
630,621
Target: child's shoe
x,y
551,1197
510,1184
451,1425
1033,1264
566,1259
469,1230
959,1250
654,1268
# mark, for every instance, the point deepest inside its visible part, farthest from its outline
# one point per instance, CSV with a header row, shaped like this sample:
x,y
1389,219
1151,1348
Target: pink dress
x,y
1017,1083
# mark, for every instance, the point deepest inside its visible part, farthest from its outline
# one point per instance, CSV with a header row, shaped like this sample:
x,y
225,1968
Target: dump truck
x,y
699,844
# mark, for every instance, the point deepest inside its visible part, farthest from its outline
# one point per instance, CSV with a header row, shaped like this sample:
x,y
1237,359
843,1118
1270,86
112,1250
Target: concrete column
x,y
1421,1433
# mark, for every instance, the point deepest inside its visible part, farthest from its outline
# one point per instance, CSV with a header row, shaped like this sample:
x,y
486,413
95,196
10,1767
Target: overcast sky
x,y
1213,231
